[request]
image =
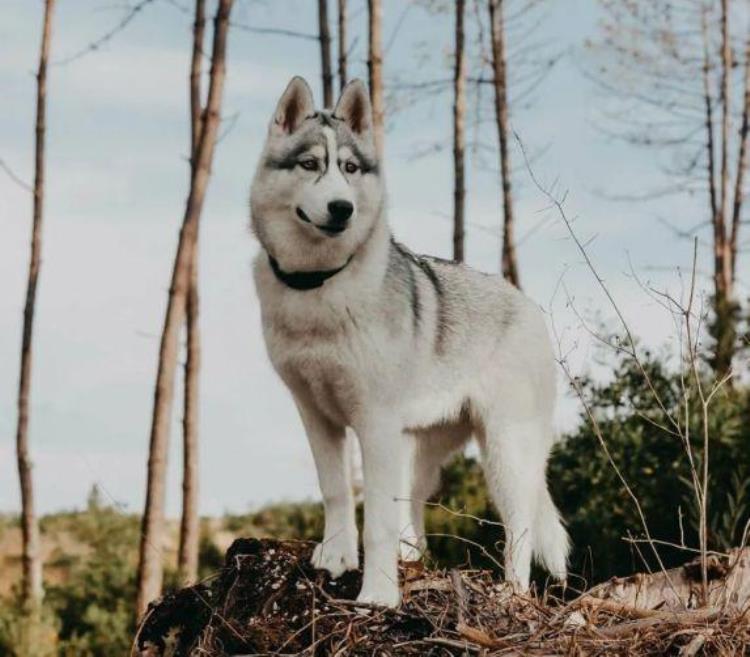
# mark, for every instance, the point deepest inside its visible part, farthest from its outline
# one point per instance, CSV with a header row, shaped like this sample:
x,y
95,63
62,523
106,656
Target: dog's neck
x,y
305,280
370,256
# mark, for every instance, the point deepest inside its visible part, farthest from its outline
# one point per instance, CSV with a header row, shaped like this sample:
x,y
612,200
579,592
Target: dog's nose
x,y
340,211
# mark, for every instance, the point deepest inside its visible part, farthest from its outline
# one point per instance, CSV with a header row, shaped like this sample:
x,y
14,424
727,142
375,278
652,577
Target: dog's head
x,y
317,192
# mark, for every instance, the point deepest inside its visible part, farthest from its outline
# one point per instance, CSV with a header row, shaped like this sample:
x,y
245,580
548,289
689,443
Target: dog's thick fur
x,y
414,353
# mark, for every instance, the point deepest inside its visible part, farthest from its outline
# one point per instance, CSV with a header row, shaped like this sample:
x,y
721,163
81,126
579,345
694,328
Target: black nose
x,y
340,211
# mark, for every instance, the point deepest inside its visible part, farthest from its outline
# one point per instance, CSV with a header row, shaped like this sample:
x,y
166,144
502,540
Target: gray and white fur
x,y
415,354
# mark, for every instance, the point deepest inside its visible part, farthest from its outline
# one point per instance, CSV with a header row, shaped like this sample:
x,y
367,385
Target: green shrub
x,y
95,606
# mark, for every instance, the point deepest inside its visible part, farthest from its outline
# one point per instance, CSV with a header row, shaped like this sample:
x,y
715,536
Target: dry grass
x,y
269,601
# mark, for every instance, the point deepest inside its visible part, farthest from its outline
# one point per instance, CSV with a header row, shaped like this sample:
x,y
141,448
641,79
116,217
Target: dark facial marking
x,y
301,214
344,137
289,160
325,119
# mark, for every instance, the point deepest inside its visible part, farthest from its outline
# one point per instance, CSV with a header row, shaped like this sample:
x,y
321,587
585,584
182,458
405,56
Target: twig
x,y
16,179
108,36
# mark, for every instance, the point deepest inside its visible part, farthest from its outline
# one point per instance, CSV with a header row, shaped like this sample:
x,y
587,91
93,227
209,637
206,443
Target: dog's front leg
x,y
386,461
337,552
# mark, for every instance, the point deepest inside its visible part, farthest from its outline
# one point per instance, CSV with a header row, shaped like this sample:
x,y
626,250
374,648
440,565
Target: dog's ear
x,y
295,105
354,107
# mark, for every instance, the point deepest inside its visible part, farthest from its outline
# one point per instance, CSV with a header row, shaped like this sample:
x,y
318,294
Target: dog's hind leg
x,y
337,552
514,459
434,447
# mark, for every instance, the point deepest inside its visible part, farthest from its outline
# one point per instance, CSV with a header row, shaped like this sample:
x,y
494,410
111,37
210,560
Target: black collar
x,y
304,280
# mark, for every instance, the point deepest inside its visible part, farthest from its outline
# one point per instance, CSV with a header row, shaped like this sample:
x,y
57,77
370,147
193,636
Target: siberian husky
x,y
415,354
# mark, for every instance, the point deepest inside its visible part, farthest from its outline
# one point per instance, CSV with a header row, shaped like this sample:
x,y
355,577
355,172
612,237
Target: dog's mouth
x,y
329,229
301,214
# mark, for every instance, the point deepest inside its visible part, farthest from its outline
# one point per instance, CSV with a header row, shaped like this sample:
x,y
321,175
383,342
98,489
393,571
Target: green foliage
x,y
94,606
648,449
462,525
24,633
301,520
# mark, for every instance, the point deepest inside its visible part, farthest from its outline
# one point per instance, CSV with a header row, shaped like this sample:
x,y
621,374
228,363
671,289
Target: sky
x,y
117,178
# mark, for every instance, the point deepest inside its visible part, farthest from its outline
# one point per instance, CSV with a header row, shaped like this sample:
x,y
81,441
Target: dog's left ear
x,y
354,107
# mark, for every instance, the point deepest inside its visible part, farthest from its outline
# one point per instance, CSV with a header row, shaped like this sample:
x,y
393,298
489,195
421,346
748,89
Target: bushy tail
x,y
551,542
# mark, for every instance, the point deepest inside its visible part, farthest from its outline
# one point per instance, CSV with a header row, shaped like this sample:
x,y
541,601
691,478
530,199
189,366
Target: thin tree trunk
x,y
741,166
32,585
187,561
187,558
726,71
342,45
196,68
325,53
509,264
723,328
375,69
459,146
710,145
150,569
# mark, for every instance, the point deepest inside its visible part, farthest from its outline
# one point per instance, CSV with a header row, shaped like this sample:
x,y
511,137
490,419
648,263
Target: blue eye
x,y
351,167
309,164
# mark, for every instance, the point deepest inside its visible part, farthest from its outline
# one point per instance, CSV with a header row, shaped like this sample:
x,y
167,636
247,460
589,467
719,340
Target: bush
x,y
652,458
95,606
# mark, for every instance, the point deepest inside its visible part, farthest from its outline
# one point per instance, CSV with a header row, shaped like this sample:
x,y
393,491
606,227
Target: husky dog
x,y
415,354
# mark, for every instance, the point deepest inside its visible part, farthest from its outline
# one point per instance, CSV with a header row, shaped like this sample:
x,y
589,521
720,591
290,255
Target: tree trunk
x,y
325,53
375,70
187,557
741,166
187,561
31,585
459,145
509,264
723,329
150,569
726,71
342,45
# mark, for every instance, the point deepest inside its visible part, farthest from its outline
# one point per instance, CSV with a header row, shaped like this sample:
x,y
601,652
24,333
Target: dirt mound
x,y
268,600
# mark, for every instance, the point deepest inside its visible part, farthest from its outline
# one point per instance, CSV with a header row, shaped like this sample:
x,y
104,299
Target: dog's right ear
x,y
295,105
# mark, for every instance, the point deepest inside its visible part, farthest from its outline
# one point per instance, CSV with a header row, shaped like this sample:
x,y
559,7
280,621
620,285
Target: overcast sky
x,y
116,182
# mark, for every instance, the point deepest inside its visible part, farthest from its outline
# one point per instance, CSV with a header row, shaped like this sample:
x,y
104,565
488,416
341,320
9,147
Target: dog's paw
x,y
389,597
335,557
409,551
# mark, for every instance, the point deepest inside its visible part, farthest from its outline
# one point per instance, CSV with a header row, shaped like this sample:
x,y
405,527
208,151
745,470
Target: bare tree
x,y
32,585
187,556
739,192
459,137
325,53
673,65
375,69
508,263
342,44
150,568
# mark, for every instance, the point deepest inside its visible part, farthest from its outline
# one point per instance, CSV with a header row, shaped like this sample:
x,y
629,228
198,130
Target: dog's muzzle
x,y
339,214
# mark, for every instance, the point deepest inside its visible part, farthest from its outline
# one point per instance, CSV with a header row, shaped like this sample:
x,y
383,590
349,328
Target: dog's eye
x,y
351,167
309,164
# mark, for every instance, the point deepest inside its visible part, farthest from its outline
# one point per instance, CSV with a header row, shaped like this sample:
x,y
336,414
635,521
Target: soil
x,y
268,600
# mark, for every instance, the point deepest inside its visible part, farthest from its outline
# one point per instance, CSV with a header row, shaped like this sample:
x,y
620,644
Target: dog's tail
x,y
551,542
